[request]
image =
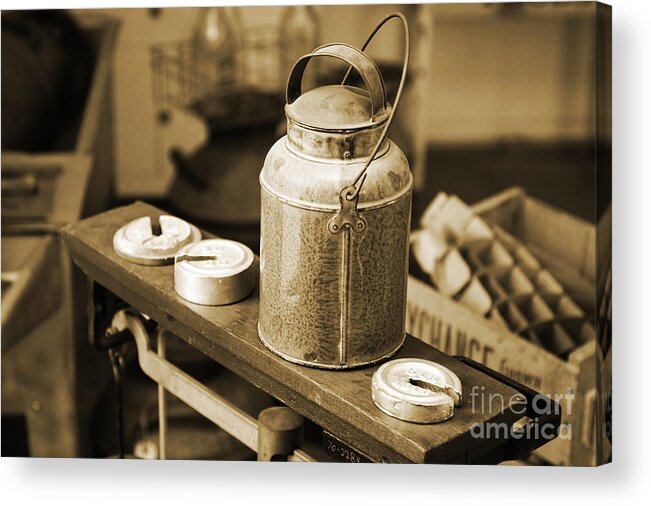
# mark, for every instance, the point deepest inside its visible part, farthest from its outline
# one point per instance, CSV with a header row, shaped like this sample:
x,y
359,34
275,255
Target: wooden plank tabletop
x,y
338,401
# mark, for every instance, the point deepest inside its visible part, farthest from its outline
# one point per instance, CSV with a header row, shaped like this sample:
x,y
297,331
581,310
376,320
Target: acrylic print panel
x,y
434,292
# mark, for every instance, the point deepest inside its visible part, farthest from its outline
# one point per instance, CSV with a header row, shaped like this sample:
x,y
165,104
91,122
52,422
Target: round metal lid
x,y
214,272
335,107
137,242
416,390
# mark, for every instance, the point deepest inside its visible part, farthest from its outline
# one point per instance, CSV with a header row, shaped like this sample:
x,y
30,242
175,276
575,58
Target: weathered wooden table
x,y
338,401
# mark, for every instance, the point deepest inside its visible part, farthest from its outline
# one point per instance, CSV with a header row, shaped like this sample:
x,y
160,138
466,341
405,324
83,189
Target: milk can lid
x,y
335,107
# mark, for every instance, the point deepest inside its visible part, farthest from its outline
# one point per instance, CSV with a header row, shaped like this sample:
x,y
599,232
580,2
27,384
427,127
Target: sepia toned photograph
x,y
308,233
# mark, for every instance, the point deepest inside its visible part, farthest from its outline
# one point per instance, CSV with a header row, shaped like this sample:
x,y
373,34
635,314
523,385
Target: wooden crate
x,y
565,245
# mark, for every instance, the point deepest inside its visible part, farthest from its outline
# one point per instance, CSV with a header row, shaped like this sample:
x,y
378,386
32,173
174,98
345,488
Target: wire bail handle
x,y
348,217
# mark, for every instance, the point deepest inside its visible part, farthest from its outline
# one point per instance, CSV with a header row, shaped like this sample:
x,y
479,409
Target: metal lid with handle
x,y
338,107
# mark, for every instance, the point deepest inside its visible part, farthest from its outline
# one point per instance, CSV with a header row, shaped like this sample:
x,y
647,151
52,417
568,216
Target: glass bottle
x,y
299,35
216,47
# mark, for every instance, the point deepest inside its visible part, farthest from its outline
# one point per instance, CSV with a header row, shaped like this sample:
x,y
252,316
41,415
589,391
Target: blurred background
x,y
506,90
178,107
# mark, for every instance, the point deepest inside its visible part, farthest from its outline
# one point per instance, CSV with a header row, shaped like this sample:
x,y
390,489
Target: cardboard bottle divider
x,y
510,287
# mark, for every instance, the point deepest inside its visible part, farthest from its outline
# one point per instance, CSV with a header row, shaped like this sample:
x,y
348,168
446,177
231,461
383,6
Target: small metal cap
x,y
214,272
137,242
416,390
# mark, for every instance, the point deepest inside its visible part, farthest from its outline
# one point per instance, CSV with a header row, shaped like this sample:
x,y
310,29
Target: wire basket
x,y
249,94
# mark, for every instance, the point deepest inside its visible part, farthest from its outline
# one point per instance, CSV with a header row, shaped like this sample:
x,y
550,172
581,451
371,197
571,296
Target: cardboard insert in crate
x,y
487,269
520,306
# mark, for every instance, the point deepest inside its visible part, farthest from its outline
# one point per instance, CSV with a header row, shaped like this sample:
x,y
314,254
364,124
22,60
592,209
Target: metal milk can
x,y
336,205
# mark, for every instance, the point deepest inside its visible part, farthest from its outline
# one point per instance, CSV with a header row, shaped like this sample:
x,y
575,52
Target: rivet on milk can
x,y
336,206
